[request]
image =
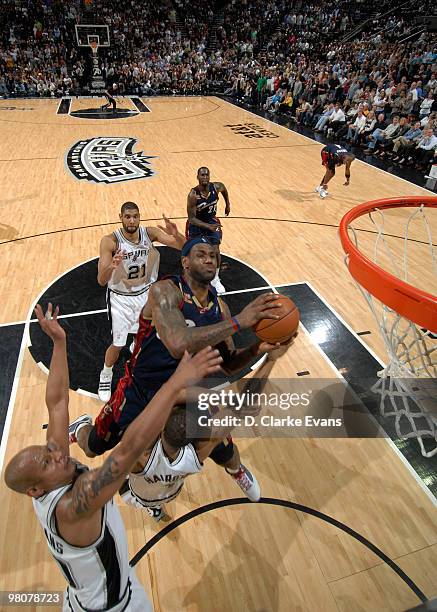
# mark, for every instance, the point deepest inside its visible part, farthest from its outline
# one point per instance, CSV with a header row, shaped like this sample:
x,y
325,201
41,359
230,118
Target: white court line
x,y
274,287
67,316
11,404
323,145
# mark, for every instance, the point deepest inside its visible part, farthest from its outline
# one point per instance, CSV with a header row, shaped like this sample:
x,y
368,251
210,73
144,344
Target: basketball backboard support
x,y
88,34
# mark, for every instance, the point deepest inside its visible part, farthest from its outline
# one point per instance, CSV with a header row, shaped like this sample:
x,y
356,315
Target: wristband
x,y
235,324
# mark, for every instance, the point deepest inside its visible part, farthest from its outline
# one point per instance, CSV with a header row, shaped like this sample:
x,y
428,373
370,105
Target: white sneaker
x,y
76,425
105,386
318,189
323,193
157,513
247,483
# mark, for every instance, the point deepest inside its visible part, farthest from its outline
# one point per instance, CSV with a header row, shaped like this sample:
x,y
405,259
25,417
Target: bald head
x,y
19,475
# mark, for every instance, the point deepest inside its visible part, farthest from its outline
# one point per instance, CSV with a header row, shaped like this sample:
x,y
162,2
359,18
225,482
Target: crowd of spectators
x,y
285,56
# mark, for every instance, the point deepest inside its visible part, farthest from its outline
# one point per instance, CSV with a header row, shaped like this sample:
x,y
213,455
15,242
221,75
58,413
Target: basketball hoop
x,y
406,314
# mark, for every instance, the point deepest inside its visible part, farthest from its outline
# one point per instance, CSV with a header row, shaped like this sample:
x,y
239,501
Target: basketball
x,y
282,329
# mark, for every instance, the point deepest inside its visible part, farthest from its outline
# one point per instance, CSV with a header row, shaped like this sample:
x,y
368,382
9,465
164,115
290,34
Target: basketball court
x,y
346,523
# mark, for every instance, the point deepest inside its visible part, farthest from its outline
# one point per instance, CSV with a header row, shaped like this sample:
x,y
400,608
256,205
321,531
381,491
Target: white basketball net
x,y
408,384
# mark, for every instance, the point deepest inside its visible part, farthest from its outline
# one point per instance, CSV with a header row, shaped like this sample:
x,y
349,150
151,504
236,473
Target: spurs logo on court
x,y
108,159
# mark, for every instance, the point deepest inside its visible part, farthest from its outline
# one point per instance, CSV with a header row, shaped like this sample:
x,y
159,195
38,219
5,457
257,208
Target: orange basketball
x,y
282,329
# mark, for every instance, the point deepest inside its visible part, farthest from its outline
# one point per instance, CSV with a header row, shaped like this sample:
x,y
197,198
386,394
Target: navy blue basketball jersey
x,y
151,363
334,154
206,208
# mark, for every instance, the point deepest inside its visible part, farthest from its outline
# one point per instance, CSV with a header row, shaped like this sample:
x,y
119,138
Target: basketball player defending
x,y
159,476
74,505
202,215
129,264
109,95
183,313
334,155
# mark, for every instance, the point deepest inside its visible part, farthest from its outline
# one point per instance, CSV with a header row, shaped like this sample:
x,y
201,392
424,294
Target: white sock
x,y
229,471
107,369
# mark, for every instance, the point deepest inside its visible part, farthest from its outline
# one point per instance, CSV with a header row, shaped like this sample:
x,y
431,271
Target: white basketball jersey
x,y
139,268
98,575
161,479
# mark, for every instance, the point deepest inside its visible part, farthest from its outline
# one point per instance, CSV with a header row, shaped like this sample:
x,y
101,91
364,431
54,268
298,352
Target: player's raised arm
x,y
169,235
92,490
57,388
177,337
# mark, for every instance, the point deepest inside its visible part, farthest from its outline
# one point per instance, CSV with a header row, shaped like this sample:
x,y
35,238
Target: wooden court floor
x,y
243,557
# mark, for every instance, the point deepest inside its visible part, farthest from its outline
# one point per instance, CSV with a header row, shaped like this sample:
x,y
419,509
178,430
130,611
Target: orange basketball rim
x,y
409,301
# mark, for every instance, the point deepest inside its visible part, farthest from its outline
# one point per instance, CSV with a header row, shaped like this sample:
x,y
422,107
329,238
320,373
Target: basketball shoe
x,y
156,512
76,425
247,483
105,386
322,192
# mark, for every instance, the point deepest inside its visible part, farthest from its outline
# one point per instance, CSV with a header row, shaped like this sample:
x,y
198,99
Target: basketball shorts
x,y
134,600
214,236
126,403
163,494
124,313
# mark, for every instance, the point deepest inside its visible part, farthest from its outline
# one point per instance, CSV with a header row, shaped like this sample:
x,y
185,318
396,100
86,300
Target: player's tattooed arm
x,y
191,212
170,324
93,489
222,189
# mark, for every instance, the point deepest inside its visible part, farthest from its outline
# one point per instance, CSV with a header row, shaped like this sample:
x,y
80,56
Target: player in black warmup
x,y
334,155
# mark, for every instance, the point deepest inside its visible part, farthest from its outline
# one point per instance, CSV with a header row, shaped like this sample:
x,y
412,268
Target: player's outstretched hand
x,y
170,228
192,369
263,307
117,258
49,322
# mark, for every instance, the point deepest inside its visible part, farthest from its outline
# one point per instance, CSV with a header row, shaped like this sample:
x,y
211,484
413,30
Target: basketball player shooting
x,y
183,313
334,155
74,505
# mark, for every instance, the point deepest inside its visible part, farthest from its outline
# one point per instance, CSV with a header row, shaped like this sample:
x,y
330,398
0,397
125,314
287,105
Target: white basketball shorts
x,y
124,313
